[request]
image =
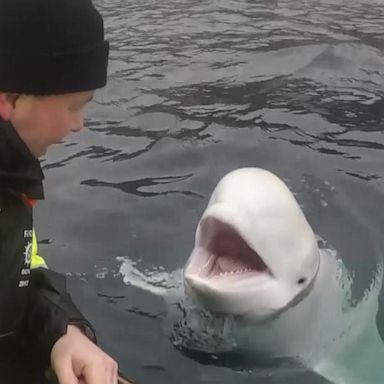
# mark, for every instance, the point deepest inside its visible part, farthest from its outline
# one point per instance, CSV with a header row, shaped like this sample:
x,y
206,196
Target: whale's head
x,y
255,253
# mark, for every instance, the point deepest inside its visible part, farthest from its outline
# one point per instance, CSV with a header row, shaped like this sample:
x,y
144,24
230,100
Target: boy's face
x,y
46,120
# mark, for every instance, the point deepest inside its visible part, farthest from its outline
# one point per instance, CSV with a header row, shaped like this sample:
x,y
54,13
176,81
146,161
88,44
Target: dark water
x,y
197,89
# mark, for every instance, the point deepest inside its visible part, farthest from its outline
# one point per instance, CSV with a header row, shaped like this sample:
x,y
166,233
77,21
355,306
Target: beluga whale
x,y
255,253
260,282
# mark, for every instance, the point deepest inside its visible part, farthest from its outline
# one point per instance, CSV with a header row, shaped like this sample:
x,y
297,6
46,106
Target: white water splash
x,y
152,279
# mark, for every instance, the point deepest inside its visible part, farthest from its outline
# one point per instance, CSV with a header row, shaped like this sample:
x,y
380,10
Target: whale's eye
x,y
301,280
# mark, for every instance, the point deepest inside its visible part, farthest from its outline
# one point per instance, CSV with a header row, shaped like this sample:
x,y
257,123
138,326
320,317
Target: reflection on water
x,y
195,90
135,185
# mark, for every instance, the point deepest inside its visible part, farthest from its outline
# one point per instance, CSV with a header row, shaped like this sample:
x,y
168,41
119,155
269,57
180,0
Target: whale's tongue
x,y
231,254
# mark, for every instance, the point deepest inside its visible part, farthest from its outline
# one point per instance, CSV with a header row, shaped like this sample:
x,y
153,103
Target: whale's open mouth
x,y
223,253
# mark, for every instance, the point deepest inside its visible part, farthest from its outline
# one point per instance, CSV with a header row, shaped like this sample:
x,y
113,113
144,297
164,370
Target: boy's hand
x,y
76,360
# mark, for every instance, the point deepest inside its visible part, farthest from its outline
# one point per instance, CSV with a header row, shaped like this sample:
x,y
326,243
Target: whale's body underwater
x,y
257,273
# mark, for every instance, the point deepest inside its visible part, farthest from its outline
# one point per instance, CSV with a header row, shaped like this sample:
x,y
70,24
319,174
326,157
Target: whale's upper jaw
x,y
223,256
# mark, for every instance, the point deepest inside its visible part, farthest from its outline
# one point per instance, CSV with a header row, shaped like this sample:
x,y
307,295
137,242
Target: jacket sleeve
x,y
50,309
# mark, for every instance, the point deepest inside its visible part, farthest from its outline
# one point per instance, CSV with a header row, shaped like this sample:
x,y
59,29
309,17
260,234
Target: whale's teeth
x,y
234,272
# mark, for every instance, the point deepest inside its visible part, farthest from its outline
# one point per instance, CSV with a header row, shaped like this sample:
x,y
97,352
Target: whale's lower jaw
x,y
216,280
228,294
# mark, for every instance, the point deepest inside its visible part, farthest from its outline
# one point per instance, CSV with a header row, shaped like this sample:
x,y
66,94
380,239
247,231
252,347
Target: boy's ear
x,y
6,106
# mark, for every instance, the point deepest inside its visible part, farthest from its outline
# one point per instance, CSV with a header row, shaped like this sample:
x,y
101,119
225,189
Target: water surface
x,y
197,89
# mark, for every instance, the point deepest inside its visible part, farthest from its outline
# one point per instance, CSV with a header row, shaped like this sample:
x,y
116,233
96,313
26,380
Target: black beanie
x,y
51,47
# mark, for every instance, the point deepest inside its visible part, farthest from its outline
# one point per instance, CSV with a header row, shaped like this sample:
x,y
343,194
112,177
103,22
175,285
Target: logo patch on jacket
x,y
26,269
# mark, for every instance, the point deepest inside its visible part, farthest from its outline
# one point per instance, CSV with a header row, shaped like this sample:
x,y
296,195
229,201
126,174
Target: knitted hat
x,y
51,47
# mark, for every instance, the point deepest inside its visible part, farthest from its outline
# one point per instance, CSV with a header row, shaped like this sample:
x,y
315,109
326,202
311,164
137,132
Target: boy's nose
x,y
78,126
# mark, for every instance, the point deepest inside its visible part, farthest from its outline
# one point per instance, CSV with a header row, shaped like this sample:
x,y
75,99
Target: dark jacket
x,y
34,303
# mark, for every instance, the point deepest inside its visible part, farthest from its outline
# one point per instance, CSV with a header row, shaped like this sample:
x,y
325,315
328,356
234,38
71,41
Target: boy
x,y
52,57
